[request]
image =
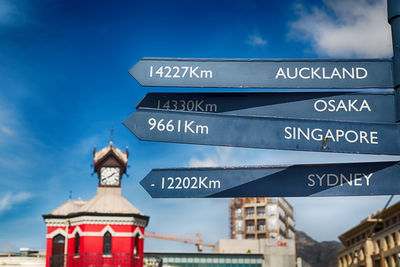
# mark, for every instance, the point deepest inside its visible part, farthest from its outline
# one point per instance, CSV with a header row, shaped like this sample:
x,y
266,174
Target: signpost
x,y
264,73
345,179
265,132
315,121
367,107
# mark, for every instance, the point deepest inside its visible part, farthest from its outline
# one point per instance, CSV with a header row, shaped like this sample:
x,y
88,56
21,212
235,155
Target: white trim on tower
x,y
107,228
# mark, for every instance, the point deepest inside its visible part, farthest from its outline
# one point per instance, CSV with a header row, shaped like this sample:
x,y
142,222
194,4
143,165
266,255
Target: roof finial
x,y
111,134
70,194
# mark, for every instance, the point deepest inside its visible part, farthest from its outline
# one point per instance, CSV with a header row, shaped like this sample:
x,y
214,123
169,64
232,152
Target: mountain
x,y
317,254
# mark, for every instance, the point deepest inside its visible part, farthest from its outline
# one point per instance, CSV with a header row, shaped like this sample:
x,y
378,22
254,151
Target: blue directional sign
x,y
346,179
264,73
368,107
264,132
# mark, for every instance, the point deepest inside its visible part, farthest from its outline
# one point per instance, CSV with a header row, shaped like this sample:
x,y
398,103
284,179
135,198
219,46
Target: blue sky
x,y
64,83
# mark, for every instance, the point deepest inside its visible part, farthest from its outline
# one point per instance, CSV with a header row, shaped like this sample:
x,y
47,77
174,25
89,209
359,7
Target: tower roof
x,y
107,201
104,152
69,207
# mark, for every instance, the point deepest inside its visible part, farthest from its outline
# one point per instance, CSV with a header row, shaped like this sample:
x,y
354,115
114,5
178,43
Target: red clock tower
x,y
104,231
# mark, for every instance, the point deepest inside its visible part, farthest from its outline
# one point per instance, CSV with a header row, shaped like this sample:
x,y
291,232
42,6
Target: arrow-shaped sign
x,y
264,73
346,179
265,132
375,107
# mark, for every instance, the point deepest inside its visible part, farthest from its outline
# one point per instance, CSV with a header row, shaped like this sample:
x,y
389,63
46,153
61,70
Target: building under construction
x,y
261,218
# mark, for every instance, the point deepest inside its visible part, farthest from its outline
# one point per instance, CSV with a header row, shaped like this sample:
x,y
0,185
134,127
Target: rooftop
x,y
107,200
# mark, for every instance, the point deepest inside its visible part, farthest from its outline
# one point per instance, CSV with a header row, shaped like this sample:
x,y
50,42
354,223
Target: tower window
x,y
57,251
77,243
136,251
58,245
107,243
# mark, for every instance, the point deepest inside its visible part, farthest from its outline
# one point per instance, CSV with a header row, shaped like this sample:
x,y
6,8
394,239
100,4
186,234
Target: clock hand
x,y
110,176
106,177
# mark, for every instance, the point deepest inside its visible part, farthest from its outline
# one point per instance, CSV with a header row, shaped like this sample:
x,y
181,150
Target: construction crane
x,y
188,240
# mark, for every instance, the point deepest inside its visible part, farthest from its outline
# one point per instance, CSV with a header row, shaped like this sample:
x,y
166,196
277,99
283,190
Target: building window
x,y
58,250
282,225
107,243
238,213
239,225
363,235
272,224
58,245
250,212
282,233
387,242
250,225
290,221
262,236
77,243
261,225
272,210
250,236
281,212
378,246
136,251
261,211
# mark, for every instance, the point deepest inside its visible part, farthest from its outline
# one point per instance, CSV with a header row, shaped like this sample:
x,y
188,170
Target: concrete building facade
x,y
375,242
276,253
261,218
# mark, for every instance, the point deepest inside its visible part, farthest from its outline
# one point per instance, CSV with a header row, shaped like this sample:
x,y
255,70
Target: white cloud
x,y
10,199
351,28
221,157
6,130
256,40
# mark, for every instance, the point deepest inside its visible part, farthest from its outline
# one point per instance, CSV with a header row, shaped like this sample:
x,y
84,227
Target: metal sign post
x,y
323,121
366,107
265,132
394,21
264,73
344,179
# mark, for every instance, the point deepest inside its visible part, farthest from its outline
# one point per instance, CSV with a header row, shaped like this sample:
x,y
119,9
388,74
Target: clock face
x,y
109,176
